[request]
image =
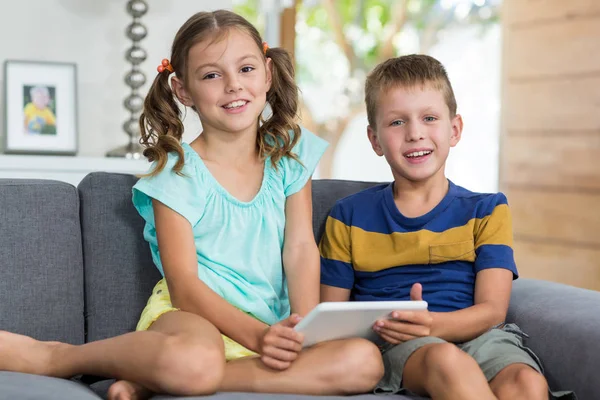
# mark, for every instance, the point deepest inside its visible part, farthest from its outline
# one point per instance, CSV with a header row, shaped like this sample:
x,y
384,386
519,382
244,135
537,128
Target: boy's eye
x,y
397,123
247,69
212,75
430,119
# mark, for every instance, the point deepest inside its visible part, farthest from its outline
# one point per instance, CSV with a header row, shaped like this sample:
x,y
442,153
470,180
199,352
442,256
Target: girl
x,y
225,216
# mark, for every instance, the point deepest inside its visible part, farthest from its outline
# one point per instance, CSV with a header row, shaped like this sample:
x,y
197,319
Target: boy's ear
x,y
269,68
182,94
457,127
372,134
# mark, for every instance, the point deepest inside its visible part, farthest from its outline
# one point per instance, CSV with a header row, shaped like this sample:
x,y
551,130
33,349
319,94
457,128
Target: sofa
x,y
74,267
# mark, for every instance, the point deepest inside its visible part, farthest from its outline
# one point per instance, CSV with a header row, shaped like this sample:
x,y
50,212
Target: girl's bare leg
x,y
181,354
341,367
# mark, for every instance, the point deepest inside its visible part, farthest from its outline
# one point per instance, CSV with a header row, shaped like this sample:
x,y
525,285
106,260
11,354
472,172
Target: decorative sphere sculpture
x,y
134,79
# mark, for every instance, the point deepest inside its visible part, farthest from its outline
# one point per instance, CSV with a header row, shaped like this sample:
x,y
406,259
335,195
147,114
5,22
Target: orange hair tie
x,y
265,48
164,65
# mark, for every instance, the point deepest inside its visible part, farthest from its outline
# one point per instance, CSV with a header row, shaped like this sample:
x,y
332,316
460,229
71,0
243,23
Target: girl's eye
x,y
430,119
210,76
247,69
397,123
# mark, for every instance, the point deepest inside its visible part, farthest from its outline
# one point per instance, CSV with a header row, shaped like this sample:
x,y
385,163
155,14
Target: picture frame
x,y
40,107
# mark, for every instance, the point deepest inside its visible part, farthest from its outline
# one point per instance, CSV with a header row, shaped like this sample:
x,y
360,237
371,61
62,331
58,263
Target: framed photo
x,y
40,100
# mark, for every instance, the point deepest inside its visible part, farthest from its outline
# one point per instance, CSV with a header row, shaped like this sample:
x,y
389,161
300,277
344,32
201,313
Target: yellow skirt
x,y
159,303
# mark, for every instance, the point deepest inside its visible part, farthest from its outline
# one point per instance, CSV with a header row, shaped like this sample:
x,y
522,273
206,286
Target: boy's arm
x,y
495,268
300,252
492,295
188,292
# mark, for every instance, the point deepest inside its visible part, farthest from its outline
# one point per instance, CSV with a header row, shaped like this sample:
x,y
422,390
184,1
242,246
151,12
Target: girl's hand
x,y
406,325
280,344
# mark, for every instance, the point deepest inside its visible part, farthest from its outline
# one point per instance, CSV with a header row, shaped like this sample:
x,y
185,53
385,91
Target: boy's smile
x,y
418,156
414,132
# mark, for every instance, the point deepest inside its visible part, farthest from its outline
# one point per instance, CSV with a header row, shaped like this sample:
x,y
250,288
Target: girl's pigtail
x,y
160,123
274,139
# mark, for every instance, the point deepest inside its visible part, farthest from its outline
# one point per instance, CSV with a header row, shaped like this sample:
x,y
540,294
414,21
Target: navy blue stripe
x,y
446,287
368,210
337,273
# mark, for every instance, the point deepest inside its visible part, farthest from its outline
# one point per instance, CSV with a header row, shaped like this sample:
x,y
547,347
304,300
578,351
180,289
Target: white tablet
x,y
349,319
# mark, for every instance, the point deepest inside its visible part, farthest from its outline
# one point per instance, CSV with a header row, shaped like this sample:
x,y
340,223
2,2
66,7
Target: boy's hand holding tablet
x,y
340,320
406,325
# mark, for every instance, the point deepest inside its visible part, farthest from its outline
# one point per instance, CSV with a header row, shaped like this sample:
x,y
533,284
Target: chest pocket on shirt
x,y
458,251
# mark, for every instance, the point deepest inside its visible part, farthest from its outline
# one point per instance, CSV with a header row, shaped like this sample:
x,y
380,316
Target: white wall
x,y
91,33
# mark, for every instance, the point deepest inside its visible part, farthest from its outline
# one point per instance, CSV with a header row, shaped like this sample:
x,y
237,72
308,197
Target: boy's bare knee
x,y
530,383
188,367
445,360
360,365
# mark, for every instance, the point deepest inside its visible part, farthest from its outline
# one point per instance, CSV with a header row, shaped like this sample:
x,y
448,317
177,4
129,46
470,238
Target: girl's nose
x,y
233,85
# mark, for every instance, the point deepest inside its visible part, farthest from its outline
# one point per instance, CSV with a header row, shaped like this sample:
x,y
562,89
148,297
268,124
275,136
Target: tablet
x,y
349,319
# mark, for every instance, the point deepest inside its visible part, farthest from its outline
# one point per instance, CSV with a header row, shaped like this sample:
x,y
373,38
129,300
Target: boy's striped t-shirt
x,y
371,248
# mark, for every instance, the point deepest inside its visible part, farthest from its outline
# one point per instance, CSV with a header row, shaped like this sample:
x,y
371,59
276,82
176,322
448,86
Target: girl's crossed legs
x,y
182,354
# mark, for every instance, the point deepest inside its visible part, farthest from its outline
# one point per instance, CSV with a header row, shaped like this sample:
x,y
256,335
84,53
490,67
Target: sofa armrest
x,y
563,324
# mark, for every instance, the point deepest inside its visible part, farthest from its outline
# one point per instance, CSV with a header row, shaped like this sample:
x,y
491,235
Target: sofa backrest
x,y
41,268
119,273
325,193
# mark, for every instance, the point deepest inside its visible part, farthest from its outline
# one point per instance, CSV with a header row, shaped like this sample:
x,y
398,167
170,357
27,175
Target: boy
x,y
422,237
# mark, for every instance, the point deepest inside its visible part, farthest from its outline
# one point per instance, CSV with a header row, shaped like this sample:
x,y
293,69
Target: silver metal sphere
x,y
132,127
136,31
135,79
136,55
137,8
134,103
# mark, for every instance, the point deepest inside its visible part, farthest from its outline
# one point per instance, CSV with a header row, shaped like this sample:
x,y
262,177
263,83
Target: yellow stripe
x,y
374,251
495,228
335,243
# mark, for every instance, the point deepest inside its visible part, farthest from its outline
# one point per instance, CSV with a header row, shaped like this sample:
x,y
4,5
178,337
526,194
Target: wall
x,y
550,154
91,33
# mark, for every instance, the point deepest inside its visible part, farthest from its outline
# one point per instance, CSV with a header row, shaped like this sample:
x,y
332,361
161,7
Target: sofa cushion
x,y
119,273
16,386
41,269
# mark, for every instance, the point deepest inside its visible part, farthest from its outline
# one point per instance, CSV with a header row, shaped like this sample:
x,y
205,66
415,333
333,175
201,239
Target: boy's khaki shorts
x,y
159,303
494,350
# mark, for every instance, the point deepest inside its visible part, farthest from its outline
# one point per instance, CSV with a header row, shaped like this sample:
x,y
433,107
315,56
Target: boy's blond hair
x,y
407,72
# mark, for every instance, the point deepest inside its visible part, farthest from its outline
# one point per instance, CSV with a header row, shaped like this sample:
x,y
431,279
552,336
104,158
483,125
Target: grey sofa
x,y
74,267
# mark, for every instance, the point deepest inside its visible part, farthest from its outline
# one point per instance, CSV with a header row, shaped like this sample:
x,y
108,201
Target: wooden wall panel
x,y
566,159
550,140
555,216
559,263
548,105
560,49
525,12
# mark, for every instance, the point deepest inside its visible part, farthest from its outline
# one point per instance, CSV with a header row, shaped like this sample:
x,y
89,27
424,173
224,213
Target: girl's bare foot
x,y
125,390
19,353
